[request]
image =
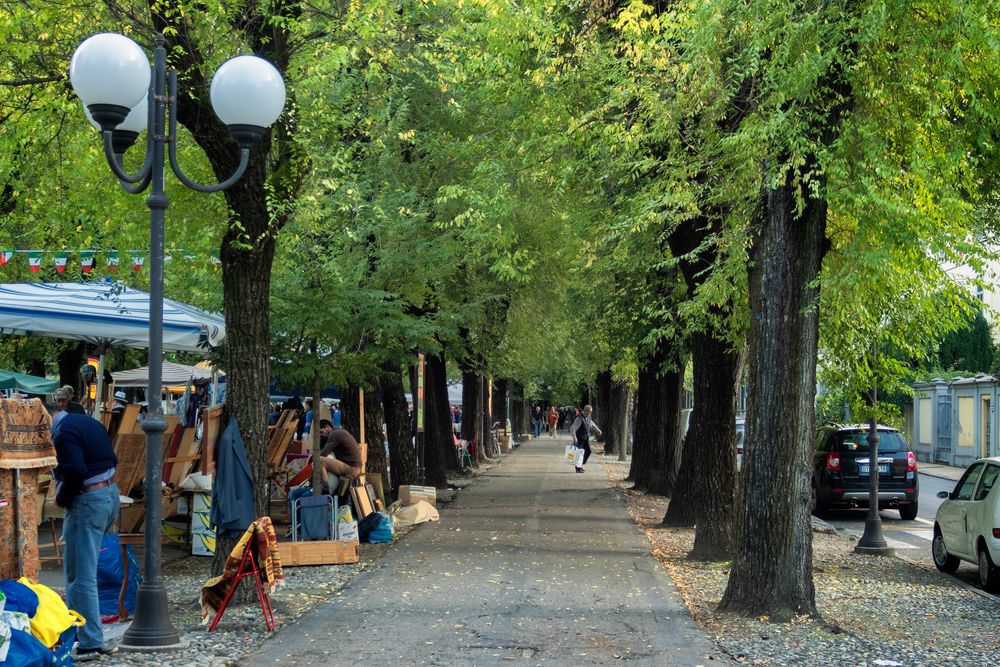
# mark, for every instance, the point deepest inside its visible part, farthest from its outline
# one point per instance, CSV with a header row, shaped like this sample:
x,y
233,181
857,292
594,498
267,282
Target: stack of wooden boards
x,y
181,455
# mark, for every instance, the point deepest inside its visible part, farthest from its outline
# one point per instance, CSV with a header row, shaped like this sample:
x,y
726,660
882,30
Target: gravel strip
x,y
242,629
883,612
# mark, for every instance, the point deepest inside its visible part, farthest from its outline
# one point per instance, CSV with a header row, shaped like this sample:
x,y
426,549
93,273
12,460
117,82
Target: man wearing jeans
x,y
580,430
85,487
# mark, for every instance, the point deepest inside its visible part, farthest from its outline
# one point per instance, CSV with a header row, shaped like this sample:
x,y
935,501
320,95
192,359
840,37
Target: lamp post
x,y
872,542
122,96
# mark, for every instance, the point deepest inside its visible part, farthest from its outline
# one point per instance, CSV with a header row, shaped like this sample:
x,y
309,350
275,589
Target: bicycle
x,y
492,442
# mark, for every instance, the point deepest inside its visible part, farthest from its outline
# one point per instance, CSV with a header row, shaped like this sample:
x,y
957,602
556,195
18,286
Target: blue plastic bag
x,y
110,572
26,651
19,597
381,531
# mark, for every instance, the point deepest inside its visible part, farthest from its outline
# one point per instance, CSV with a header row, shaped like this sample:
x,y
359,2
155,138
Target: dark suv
x,y
841,465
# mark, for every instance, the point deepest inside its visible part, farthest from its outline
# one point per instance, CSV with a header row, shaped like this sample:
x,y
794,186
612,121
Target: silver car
x,y
967,525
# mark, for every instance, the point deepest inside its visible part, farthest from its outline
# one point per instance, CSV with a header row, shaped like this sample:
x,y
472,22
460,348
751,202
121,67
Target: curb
x,y
963,584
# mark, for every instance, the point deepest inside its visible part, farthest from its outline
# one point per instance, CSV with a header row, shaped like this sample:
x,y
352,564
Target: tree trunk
x,y
315,440
246,284
663,477
350,410
602,405
470,406
70,359
707,482
377,463
772,561
402,455
705,487
500,402
439,443
617,428
516,409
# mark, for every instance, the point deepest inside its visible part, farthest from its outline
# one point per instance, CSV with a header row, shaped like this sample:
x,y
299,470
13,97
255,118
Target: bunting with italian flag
x,y
61,258
87,260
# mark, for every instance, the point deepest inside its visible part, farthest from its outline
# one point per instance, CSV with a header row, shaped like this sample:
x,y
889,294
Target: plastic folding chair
x,y
314,518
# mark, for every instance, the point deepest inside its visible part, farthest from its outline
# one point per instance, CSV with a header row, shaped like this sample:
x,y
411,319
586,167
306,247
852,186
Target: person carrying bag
x,y
580,430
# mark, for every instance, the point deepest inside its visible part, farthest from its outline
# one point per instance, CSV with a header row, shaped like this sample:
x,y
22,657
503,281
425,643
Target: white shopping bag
x,y
573,456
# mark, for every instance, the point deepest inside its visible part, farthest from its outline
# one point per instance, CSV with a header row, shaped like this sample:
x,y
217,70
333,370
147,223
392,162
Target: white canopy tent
x,y
105,314
173,375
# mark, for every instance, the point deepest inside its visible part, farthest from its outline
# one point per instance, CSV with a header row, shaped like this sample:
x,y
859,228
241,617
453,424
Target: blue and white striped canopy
x,y
109,313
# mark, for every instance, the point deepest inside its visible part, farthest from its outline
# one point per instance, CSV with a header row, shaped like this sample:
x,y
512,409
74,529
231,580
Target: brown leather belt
x,y
91,487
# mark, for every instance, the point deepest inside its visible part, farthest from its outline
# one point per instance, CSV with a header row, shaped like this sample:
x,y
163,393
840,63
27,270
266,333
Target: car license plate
x,y
863,469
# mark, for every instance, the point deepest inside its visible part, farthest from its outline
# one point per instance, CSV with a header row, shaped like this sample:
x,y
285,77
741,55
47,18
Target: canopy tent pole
x,y
100,383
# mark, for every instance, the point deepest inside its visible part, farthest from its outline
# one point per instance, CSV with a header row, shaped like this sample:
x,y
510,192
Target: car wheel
x,y
908,512
989,574
943,560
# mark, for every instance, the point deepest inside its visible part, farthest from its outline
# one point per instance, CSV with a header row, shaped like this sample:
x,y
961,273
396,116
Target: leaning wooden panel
x,y
129,423
211,418
182,462
278,446
318,552
131,451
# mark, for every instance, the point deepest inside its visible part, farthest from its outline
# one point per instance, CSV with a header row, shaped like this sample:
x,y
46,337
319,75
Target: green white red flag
x,y
5,256
35,261
61,259
87,260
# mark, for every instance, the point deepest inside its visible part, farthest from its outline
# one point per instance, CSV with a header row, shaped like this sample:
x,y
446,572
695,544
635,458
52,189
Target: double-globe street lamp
x,y
122,96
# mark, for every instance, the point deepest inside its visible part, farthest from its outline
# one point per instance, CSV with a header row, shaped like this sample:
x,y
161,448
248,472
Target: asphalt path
x,y
910,539
532,564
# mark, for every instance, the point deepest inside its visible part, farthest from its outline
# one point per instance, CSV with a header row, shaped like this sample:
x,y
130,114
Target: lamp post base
x,y
151,630
872,543
875,551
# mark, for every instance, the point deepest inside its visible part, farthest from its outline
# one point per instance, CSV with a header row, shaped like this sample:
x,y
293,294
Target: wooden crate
x,y
318,552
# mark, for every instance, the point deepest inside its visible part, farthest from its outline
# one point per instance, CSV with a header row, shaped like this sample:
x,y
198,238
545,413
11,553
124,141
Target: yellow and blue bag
x,y
53,617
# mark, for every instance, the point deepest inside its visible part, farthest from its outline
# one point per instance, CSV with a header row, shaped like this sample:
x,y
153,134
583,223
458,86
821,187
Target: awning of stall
x,y
27,384
104,313
173,375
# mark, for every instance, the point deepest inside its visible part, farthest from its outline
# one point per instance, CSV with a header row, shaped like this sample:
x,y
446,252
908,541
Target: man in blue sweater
x,y
85,487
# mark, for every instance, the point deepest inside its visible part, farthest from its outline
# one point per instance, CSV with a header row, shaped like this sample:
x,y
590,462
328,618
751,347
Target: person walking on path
x,y
528,566
85,488
581,429
536,419
553,419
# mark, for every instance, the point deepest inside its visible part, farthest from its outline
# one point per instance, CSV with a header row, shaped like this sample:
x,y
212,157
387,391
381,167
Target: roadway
x,y
910,539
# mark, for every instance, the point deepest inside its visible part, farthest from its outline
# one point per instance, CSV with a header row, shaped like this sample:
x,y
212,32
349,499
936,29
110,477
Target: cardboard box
x,y
411,495
201,502
203,544
319,552
201,523
177,532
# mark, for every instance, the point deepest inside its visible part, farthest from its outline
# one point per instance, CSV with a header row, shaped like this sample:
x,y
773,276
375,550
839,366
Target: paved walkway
x,y
533,563
942,471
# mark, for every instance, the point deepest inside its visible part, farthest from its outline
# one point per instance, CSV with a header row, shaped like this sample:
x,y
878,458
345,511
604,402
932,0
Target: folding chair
x,y
314,518
248,568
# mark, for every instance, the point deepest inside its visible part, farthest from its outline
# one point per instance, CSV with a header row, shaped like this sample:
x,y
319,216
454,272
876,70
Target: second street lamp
x,y
122,96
